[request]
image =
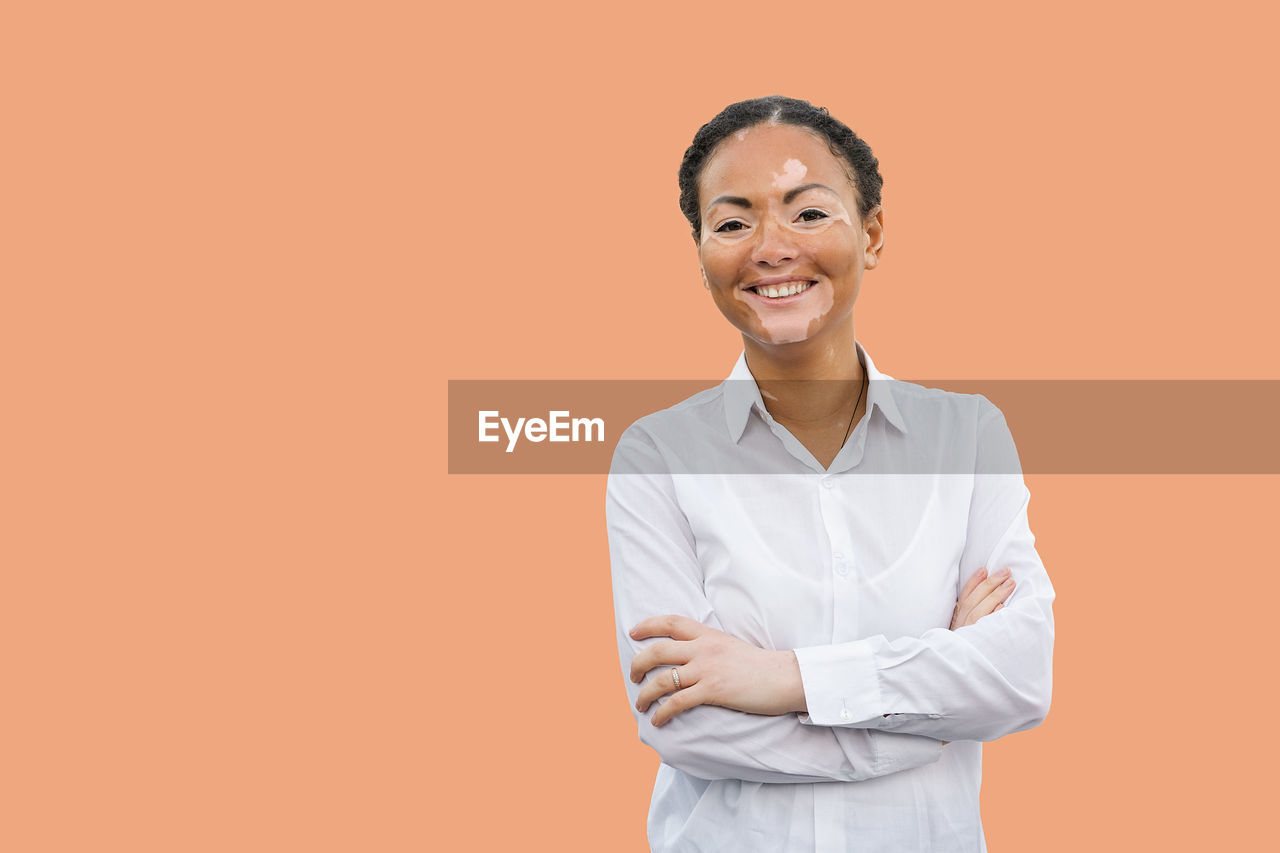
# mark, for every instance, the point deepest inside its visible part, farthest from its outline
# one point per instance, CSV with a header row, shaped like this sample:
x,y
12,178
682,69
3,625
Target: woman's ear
x,y
873,227
705,283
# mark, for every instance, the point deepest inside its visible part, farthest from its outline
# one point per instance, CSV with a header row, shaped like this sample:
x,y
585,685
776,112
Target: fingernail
x,y
1002,573
1008,582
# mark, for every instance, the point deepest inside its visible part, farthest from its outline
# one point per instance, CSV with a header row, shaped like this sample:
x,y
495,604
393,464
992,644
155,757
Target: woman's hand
x,y
981,596
714,668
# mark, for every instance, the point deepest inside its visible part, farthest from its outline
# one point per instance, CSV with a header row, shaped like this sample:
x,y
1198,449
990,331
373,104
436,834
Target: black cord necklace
x,y
862,386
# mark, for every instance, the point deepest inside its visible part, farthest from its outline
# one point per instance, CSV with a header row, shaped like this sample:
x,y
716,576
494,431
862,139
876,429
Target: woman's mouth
x,y
780,292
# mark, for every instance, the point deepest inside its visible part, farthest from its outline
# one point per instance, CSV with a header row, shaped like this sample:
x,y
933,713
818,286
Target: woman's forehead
x,y
766,156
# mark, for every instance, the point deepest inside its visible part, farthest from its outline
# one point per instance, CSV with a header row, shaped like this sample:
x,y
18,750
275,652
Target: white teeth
x,y
774,292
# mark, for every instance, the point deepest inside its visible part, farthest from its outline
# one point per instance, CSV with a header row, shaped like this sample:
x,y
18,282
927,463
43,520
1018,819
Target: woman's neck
x,y
786,376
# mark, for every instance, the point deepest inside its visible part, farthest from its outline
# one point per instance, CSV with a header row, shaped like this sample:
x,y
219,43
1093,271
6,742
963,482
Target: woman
x,y
814,646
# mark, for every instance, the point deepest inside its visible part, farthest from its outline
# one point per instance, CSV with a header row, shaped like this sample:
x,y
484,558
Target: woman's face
x,y
782,246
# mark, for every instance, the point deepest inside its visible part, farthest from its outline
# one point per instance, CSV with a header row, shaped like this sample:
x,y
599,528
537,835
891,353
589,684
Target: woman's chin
x,y
785,327
784,337
781,335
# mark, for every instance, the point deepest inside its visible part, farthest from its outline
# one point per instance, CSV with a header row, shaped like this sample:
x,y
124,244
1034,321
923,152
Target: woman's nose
x,y
774,244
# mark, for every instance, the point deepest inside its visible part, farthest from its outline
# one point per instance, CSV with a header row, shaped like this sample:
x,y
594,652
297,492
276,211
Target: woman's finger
x,y
663,683
674,626
969,586
993,601
963,614
974,579
670,652
995,598
679,702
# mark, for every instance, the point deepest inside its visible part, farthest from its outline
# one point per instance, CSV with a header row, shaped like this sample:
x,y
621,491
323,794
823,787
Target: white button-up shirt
x,y
716,512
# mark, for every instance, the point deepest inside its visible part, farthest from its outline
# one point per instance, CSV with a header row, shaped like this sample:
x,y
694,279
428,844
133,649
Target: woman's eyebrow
x,y
786,199
795,191
730,199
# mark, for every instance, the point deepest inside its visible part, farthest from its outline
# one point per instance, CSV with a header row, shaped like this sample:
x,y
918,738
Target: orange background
x,y
245,246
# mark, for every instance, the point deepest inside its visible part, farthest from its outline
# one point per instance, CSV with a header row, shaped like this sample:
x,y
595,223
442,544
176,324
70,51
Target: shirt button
x,y
827,484
842,569
846,716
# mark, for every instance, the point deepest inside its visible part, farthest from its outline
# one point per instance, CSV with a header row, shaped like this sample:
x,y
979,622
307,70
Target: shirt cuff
x,y
841,684
895,752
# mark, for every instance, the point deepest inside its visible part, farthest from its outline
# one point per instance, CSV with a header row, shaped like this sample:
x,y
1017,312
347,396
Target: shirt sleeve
x,y
655,572
979,682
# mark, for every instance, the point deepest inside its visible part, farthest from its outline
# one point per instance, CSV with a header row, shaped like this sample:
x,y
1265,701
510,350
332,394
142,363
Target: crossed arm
x,y
861,709
715,668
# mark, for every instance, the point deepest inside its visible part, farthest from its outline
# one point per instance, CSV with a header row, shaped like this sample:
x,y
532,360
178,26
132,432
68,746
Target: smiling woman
x,y
813,604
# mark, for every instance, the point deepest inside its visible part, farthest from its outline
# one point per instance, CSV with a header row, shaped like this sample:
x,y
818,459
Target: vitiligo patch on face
x,y
793,172
795,322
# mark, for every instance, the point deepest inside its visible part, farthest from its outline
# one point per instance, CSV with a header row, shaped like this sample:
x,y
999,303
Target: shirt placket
x,y
835,492
833,501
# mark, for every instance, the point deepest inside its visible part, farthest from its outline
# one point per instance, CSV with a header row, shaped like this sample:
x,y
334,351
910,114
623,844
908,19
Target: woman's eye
x,y
731,225
812,215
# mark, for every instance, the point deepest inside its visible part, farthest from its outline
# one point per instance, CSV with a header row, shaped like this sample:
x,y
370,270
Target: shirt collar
x,y
880,393
741,395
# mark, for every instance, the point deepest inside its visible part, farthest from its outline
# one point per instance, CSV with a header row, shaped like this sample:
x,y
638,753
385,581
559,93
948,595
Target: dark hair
x,y
844,144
